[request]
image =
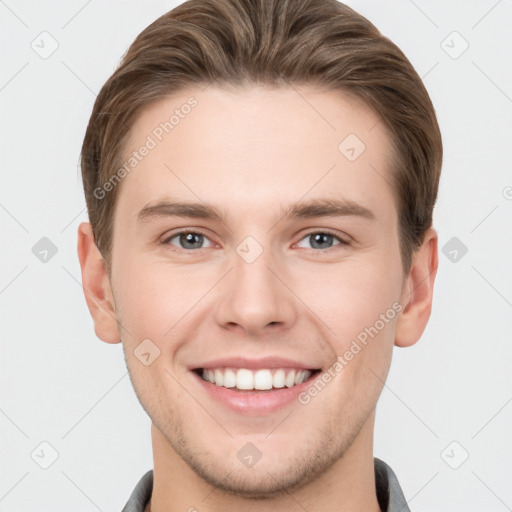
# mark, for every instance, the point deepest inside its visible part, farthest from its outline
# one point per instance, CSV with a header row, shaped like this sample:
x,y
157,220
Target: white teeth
x,y
264,379
278,379
219,377
290,379
229,379
244,379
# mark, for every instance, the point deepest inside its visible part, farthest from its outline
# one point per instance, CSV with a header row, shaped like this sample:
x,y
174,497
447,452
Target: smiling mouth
x,y
243,379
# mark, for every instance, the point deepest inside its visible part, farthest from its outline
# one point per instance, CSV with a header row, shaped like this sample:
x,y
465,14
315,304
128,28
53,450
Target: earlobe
x,y
418,292
96,286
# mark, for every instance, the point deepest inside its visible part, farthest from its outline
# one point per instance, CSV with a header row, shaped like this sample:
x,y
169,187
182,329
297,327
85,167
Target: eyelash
x,y
335,234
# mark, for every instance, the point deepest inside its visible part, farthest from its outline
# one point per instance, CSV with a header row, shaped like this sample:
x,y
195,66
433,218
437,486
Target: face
x,y
287,253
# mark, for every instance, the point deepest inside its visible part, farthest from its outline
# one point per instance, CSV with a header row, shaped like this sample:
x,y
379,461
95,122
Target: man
x,y
260,177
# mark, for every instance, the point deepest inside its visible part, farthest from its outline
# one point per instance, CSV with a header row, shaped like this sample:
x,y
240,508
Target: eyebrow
x,y
305,210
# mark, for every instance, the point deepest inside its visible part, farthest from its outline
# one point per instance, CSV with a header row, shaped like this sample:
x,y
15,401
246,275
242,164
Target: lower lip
x,y
254,402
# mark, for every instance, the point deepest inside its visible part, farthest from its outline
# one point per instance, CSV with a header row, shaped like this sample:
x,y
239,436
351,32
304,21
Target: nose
x,y
255,296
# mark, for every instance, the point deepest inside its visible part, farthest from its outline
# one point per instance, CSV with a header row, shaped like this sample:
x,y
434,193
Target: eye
x,y
193,240
323,240
188,240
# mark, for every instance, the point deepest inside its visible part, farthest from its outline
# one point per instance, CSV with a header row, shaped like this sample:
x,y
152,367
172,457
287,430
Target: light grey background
x,y
60,385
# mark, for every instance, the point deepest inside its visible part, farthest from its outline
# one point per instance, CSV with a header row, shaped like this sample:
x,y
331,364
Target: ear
x,y
417,292
96,286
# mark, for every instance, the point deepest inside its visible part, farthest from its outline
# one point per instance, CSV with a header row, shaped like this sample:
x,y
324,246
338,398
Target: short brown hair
x,y
322,43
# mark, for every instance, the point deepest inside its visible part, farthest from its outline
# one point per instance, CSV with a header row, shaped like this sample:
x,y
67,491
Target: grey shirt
x,y
389,492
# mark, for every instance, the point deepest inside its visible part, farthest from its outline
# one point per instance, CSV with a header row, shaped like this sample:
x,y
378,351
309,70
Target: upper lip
x,y
255,364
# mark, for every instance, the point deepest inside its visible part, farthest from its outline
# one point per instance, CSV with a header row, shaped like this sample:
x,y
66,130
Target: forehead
x,y
258,146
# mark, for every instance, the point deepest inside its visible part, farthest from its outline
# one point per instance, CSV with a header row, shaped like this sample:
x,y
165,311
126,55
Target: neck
x,y
348,485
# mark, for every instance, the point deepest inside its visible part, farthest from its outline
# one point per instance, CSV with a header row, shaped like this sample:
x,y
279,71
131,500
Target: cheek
x,y
154,297
351,298
356,302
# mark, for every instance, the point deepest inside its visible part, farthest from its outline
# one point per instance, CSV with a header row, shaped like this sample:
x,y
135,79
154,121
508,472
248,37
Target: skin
x,y
253,152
